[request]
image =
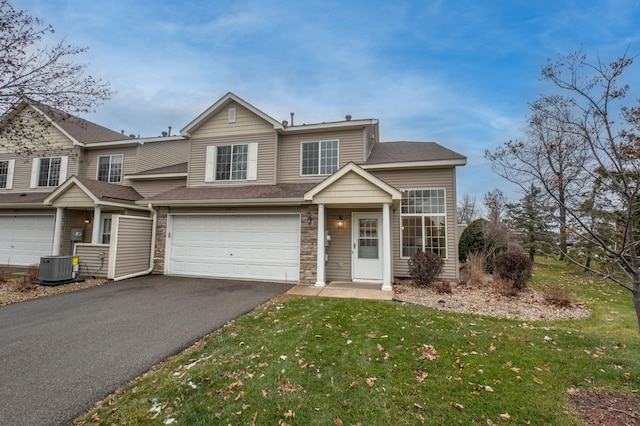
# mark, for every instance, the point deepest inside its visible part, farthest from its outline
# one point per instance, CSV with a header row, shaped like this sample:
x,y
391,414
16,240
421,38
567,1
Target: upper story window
x,y
423,215
231,162
6,173
110,168
48,171
319,158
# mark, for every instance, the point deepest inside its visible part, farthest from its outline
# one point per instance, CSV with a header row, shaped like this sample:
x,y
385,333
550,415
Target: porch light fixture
x,y
340,221
309,219
87,221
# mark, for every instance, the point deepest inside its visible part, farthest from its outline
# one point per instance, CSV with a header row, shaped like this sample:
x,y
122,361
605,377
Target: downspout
x,y
154,225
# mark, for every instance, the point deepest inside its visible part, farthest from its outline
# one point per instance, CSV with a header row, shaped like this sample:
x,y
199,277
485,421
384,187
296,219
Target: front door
x,y
366,246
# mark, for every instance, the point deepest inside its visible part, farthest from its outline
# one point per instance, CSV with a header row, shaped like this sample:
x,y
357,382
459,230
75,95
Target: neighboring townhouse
x,y
239,194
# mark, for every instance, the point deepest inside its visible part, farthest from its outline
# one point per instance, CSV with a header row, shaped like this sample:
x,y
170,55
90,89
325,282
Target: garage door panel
x,y
252,247
25,239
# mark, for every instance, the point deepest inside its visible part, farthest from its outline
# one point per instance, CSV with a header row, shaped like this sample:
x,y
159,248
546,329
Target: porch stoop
x,y
344,289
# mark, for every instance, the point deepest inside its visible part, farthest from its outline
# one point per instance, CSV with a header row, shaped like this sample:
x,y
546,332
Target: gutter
x,y
154,226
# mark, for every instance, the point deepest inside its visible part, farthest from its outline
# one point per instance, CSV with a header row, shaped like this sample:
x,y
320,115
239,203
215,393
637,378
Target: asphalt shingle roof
x,y
402,151
110,191
281,191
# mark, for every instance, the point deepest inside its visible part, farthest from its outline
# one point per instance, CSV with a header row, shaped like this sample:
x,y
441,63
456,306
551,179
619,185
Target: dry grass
x,y
475,268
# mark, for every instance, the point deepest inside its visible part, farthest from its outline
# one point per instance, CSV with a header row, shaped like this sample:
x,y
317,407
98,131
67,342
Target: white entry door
x,y
366,247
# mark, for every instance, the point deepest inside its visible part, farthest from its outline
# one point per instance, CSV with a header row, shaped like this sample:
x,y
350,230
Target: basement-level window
x,y
424,222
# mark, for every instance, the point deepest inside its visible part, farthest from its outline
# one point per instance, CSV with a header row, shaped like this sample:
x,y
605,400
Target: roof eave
x,y
157,176
226,202
329,126
134,141
415,164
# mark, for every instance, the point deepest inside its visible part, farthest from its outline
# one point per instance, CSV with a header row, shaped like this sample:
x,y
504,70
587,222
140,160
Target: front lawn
x,y
344,361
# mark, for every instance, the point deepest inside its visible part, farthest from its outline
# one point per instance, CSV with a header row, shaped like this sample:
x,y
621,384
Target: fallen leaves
x,y
429,353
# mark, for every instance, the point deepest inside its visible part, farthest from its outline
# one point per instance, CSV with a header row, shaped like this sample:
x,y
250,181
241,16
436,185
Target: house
x,y
236,194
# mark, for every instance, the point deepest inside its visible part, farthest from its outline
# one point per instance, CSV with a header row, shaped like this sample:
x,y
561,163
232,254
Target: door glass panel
x,y
368,239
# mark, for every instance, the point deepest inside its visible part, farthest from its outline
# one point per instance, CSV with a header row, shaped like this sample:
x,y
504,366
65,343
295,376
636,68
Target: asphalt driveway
x,y
61,354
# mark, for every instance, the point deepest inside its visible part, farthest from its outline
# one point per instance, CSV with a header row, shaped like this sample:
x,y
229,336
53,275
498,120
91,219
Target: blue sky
x,y
459,73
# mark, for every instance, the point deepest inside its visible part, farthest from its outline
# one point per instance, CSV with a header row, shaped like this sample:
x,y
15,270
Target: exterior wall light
x,y
340,221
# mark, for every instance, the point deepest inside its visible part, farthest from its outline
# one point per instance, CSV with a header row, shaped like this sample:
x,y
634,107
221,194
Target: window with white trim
x,y
6,173
105,229
231,162
48,171
319,158
424,227
110,168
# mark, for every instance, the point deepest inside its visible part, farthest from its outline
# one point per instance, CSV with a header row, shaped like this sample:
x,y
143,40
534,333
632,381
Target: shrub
x,y
443,287
28,280
557,295
3,276
514,267
424,267
506,288
471,240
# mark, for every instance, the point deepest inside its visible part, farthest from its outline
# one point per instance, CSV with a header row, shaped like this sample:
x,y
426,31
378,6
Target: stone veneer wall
x,y
308,244
161,240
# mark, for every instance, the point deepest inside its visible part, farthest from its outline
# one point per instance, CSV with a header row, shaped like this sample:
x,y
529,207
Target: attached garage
x,y
261,247
25,239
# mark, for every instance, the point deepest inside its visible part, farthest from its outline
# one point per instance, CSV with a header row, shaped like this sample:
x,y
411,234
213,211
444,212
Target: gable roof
x,y
353,168
78,130
100,192
221,104
405,154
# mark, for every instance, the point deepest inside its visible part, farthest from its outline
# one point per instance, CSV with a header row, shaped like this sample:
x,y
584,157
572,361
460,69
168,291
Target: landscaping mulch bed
x,y
15,290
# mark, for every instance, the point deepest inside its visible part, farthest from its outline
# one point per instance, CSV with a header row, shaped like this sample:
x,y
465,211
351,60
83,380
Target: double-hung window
x,y
6,173
423,216
231,162
110,168
48,172
319,158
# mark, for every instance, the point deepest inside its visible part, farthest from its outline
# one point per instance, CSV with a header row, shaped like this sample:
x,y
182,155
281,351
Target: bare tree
x,y
45,74
552,157
467,209
594,112
495,203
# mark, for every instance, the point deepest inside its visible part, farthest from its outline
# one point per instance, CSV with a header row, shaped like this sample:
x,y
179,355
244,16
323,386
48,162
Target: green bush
x,y
424,267
471,240
515,267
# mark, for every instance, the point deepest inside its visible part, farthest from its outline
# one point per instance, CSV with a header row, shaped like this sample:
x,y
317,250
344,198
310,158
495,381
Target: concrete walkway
x,y
344,289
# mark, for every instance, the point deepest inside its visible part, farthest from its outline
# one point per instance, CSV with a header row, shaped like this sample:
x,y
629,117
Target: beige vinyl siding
x,y
90,264
246,123
350,148
266,159
339,249
23,166
425,179
132,246
54,138
161,154
73,219
74,197
148,188
129,160
352,188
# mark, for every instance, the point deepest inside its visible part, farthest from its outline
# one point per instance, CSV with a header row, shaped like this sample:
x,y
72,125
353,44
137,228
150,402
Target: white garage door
x,y
25,239
263,247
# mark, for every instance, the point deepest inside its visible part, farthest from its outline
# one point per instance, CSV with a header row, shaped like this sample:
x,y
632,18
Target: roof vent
x,y
292,119
285,123
347,117
164,134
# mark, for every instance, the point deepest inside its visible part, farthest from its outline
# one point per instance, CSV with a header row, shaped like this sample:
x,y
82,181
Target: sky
x,y
456,72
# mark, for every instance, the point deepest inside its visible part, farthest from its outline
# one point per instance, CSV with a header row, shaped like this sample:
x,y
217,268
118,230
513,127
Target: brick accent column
x,y
161,240
308,244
